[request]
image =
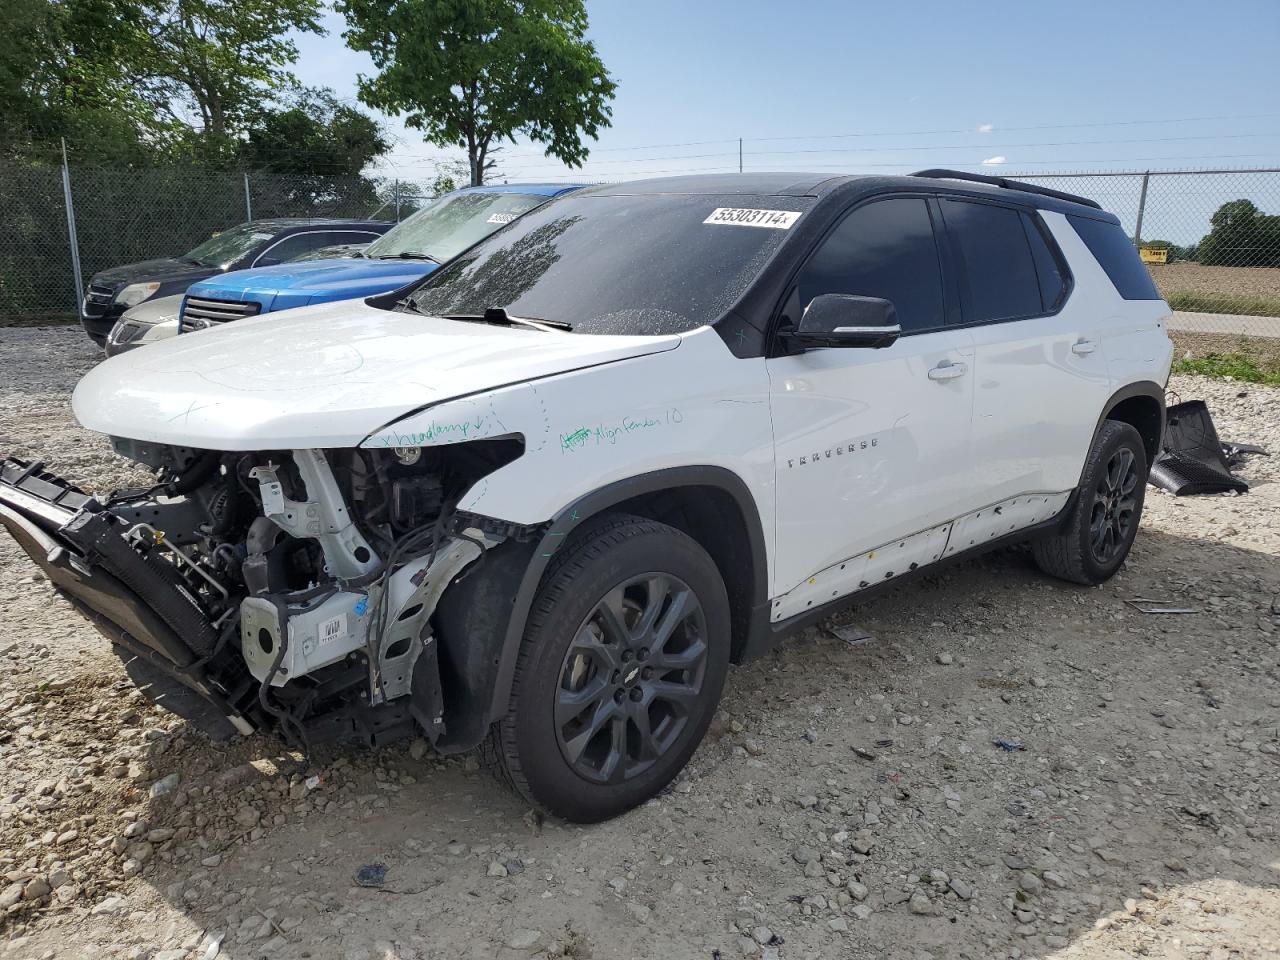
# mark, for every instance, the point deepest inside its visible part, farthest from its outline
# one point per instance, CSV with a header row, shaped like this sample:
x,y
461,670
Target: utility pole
x,y
1142,209
739,154
71,224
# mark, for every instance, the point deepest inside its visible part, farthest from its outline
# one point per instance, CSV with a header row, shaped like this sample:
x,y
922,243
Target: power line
x,y
1050,126
919,133
906,149
1024,163
996,145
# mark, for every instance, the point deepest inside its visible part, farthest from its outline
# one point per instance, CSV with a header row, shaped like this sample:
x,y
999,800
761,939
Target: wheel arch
x,y
1141,405
481,619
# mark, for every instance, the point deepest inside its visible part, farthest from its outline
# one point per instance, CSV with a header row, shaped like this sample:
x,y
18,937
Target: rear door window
x,y
883,249
1116,254
998,272
1049,264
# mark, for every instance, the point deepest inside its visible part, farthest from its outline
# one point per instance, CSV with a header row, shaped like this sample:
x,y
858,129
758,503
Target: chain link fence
x,y
123,216
1211,238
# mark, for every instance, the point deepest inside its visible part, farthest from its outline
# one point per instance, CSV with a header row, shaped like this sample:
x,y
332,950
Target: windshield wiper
x,y
499,316
410,255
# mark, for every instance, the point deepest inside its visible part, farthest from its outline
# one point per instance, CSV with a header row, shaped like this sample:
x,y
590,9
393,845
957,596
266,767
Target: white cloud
x,y
986,128
993,161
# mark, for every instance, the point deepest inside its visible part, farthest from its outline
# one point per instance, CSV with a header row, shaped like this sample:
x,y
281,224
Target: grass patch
x,y
1238,304
1237,366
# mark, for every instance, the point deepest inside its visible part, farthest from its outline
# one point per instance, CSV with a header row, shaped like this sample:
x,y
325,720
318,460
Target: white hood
x,y
323,376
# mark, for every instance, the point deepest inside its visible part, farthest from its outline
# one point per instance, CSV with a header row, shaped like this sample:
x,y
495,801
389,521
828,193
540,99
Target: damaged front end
x,y
294,590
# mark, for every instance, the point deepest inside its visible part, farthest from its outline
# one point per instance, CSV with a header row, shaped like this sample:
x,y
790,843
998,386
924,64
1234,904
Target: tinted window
x,y
1112,249
229,246
1053,281
290,247
999,275
646,264
884,249
332,238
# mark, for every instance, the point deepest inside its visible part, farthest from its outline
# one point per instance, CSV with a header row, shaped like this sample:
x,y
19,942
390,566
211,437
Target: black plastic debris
x,y
1192,461
372,875
1007,745
1236,452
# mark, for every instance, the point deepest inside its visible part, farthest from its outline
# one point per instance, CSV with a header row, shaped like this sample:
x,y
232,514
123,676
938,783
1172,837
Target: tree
x,y
220,59
66,70
474,73
314,135
1241,235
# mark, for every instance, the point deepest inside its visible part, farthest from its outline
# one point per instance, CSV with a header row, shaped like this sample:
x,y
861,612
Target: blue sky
x,y
1044,85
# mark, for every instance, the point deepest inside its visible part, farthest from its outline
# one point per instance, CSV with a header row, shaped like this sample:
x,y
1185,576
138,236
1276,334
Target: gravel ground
x,y
849,802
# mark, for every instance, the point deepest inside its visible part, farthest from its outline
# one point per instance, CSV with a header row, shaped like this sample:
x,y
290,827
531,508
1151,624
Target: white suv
x,y
542,500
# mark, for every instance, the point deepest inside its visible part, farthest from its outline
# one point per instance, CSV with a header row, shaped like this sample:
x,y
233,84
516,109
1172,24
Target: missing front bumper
x,y
78,546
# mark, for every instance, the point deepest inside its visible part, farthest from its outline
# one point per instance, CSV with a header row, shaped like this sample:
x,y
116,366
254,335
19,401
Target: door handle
x,y
1083,347
947,370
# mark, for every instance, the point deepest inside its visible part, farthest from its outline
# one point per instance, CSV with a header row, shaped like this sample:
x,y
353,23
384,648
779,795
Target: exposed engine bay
x,y
293,589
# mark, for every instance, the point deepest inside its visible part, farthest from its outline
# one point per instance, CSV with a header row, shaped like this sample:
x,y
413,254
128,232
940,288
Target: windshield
x,y
447,226
230,245
337,251
651,264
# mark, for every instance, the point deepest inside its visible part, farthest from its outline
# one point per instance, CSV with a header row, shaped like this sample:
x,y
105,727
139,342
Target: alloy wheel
x,y
1114,506
631,678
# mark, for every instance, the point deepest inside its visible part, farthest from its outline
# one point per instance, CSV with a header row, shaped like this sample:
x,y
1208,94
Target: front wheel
x,y
1104,520
620,671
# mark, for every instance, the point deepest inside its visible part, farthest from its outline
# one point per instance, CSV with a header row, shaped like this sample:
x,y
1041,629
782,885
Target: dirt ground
x,y
1173,278
852,800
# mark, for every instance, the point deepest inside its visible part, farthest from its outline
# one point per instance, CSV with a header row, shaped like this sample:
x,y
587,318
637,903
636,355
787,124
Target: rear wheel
x,y
1104,521
622,665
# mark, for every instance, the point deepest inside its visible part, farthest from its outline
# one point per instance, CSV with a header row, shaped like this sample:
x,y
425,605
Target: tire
x,y
591,671
1104,520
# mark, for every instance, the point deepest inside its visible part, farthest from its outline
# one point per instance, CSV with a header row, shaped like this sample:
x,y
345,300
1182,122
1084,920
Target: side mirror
x,y
844,320
267,262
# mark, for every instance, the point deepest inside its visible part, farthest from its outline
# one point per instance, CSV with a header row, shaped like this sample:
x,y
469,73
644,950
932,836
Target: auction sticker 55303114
x,y
745,217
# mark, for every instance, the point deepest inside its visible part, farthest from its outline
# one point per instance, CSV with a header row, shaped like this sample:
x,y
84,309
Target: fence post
x,y
248,204
1142,208
71,225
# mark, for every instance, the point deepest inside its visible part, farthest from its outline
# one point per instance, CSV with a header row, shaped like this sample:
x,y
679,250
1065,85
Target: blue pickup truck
x,y
408,252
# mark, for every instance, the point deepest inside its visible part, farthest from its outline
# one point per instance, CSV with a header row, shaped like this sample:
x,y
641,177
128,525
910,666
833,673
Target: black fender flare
x,y
1139,388
492,643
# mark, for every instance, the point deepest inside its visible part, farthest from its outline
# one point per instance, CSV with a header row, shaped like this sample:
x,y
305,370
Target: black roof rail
x,y
941,174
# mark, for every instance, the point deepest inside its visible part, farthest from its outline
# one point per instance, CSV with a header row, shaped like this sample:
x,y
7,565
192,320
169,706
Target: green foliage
x,y
220,59
66,71
1241,235
183,81
314,135
473,73
1176,251
1237,366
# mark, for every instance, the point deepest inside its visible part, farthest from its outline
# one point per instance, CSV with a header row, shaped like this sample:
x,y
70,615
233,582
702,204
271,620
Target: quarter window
x,y
999,273
884,249
1115,252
